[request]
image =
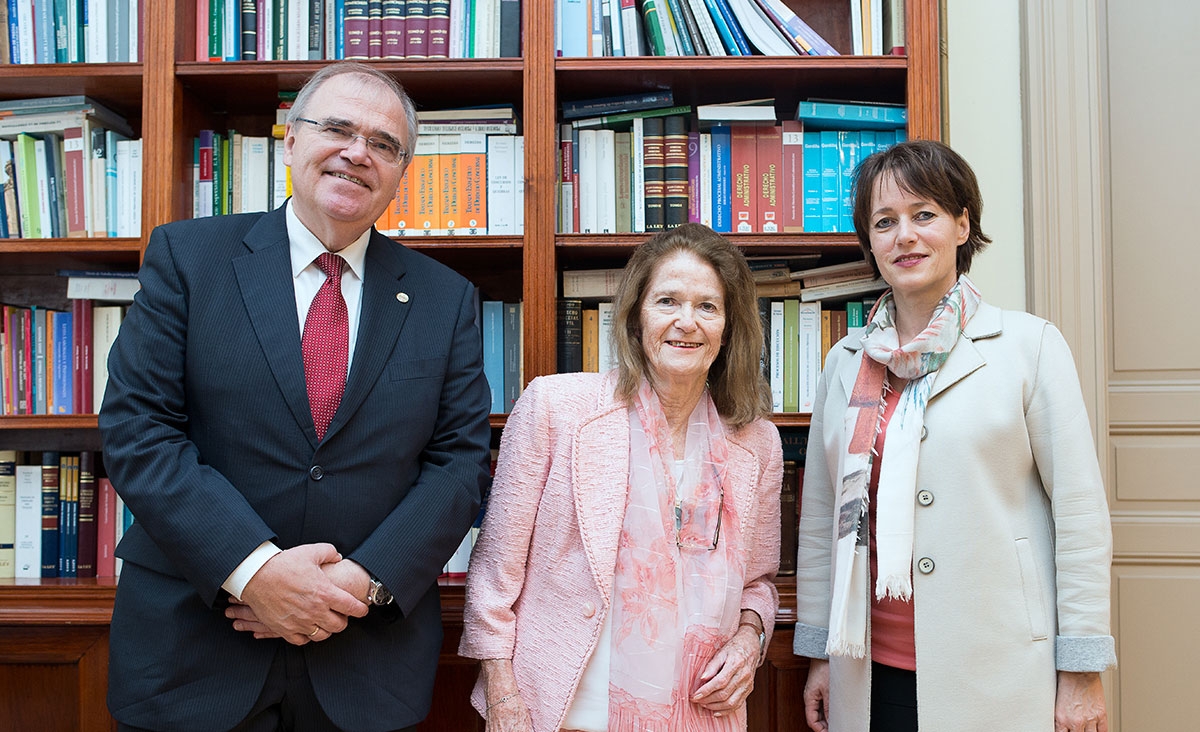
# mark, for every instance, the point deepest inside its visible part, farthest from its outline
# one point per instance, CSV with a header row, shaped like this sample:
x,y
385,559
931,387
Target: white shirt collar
x,y
305,247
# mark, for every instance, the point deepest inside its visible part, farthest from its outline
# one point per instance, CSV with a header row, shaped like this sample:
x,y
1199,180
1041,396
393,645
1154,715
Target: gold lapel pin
x,y
402,296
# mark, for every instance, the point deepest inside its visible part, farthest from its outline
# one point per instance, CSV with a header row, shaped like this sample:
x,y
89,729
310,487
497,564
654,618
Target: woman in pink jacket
x,y
624,576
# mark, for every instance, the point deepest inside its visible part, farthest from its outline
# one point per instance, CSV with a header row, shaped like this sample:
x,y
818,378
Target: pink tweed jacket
x,y
541,574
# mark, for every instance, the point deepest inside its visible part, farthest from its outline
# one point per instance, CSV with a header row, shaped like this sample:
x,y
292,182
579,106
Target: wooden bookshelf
x,y
54,633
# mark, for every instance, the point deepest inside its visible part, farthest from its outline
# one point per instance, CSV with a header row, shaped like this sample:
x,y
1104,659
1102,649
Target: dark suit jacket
x,y
209,439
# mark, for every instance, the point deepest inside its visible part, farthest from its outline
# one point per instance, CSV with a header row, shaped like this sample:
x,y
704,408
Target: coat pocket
x,y
1031,586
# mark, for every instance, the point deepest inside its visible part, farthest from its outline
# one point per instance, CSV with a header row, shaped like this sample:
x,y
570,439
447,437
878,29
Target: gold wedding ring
x,y
315,631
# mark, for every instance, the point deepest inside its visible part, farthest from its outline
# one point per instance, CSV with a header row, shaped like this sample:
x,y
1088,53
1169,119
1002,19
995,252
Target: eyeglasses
x,y
693,542
382,149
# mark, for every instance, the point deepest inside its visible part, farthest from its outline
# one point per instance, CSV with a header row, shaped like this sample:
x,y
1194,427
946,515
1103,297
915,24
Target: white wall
x,y
983,46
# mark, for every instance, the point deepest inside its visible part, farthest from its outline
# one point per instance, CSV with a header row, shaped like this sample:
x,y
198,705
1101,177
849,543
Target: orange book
x,y
423,172
770,162
472,176
743,157
449,179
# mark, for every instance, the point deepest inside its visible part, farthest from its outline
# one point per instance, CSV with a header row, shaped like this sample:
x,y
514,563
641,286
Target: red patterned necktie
x,y
325,344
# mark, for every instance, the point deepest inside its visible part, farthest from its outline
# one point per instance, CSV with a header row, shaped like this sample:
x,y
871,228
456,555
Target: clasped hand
x,y
303,594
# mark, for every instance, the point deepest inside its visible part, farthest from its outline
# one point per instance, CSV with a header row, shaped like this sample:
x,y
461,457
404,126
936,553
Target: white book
x,y
297,30
230,40
43,192
458,28
708,31
331,25
118,531
129,188
106,321
461,559
27,555
776,356
631,29
266,17
519,177
589,220
637,186
706,178
25,31
278,179
501,202
856,27
597,9
606,181
579,283
486,22
808,355
616,24
877,27
117,289
606,354
97,164
256,182
133,15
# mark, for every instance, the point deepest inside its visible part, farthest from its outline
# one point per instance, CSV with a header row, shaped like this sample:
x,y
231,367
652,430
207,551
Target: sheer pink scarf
x,y
676,599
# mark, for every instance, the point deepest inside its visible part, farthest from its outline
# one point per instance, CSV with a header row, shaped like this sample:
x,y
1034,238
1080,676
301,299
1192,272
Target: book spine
x,y
50,511
510,28
616,105
570,335
654,152
831,181
791,177
791,345
38,360
425,185
735,29
448,184
501,186
848,161
393,28
769,176
416,29
249,40
63,367
606,181
675,171
493,352
106,507
693,173
653,27
85,564
27,522
777,355
512,354
438,33
637,173
808,354
622,177
588,182
473,202
789,518
742,160
722,176
8,513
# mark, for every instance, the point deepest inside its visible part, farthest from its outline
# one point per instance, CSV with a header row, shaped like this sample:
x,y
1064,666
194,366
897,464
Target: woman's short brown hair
x,y
929,169
735,378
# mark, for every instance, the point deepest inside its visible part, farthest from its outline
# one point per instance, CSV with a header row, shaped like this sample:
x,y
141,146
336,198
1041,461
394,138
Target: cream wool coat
x,y
541,574
1015,527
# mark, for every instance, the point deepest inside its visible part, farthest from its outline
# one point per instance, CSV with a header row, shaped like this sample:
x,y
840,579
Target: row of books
x,y
877,27
56,361
81,31
684,28
776,277
68,168
59,516
301,30
503,354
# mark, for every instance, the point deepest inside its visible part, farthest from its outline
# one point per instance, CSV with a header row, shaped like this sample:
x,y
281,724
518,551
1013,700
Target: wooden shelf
x,y
118,86
56,601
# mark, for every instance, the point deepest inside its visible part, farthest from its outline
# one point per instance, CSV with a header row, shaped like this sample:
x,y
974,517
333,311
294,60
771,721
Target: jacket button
x,y
924,498
316,472
924,432
925,564
588,609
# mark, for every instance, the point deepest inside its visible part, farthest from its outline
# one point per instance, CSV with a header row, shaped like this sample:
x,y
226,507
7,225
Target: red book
x,y
106,528
439,29
375,28
743,157
81,326
770,160
416,29
356,26
791,178
569,216
85,563
393,28
75,182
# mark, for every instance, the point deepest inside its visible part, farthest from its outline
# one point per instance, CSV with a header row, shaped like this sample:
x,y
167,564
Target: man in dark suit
x,y
296,415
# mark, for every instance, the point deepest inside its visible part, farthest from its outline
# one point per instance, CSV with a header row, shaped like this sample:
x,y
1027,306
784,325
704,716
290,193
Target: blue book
x,y
50,484
493,352
849,152
812,181
866,144
14,33
573,30
110,178
884,139
61,355
512,354
735,30
901,134
846,116
43,30
679,28
339,29
831,180
722,179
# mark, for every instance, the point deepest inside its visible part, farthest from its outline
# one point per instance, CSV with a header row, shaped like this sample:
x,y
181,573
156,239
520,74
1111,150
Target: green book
x,y
621,118
791,352
25,152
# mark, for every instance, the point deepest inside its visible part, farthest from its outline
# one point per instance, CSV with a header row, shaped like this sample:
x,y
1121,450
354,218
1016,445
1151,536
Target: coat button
x,y
925,564
316,472
924,432
924,498
588,609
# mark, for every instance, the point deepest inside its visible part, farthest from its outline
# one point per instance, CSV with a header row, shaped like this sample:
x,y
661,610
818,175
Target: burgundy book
x,y
393,28
416,29
356,26
85,563
439,29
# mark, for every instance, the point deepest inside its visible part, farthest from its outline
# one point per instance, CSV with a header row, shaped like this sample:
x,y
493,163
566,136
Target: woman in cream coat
x,y
558,609
1008,544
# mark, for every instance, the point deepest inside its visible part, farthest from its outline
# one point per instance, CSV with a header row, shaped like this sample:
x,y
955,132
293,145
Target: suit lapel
x,y
600,476
380,321
264,276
